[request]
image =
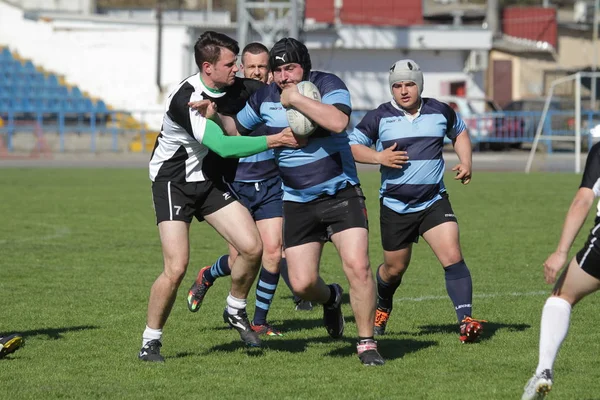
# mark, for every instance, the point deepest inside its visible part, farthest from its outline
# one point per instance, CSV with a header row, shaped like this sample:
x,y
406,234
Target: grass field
x,y
79,251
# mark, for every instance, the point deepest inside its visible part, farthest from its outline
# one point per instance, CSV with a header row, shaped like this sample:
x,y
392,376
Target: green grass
x,y
79,251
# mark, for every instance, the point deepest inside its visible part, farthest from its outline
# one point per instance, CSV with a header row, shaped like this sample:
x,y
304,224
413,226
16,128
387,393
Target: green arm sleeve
x,y
232,146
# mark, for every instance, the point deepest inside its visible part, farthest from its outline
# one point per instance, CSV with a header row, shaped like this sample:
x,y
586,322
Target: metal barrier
x,y
114,130
110,131
513,128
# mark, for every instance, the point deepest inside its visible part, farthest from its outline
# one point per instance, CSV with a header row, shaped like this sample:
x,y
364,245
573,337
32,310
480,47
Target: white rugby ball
x,y
299,123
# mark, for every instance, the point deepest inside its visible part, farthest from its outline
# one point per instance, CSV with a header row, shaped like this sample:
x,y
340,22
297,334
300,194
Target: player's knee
x,y
252,250
358,272
303,287
175,269
271,253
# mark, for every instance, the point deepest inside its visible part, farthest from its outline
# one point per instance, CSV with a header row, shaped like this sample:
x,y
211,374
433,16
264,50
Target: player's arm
x,y
325,115
208,109
456,130
243,146
577,214
362,138
463,149
387,157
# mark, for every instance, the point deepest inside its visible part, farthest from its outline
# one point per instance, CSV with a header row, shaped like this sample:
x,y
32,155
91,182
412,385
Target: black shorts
x,y
263,199
588,257
398,231
182,201
317,220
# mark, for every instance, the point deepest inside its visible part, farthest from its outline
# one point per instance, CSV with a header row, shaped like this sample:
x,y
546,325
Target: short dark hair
x,y
255,48
208,47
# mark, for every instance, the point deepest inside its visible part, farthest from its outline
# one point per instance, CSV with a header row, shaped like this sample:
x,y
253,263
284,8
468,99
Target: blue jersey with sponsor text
x,y
420,182
325,165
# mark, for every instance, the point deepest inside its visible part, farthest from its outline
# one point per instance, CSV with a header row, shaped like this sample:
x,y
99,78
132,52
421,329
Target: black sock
x,y
385,291
365,339
460,288
332,295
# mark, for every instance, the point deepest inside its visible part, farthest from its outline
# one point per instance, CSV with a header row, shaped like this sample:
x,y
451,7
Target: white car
x,y
479,115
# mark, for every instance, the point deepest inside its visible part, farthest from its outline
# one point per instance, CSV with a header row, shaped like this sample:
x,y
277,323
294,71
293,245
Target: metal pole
x,y
242,24
159,27
578,123
595,52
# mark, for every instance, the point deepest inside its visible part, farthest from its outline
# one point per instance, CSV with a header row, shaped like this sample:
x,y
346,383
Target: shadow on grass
x,y
52,333
227,347
345,300
390,349
489,329
315,322
291,325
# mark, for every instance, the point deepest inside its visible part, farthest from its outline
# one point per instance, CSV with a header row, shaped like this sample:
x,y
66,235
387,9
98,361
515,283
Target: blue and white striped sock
x,y
219,268
265,290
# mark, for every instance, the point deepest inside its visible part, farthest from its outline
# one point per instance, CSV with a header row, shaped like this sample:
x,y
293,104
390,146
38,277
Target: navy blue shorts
x,y
263,199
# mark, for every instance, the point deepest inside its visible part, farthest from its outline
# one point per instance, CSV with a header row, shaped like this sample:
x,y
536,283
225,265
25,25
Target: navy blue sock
x,y
218,269
265,290
460,288
385,291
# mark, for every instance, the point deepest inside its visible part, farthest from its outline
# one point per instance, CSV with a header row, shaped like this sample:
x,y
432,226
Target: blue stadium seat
x,y
76,93
5,105
52,81
22,105
5,54
101,107
84,105
29,67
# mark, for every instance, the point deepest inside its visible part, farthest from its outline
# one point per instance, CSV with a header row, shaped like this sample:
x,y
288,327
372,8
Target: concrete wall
x,y
365,72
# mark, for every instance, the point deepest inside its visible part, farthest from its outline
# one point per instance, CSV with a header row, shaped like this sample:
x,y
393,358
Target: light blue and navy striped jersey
x,y
420,182
258,167
325,165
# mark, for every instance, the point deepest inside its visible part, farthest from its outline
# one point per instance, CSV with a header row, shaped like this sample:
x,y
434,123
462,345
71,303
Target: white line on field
x,y
58,232
476,296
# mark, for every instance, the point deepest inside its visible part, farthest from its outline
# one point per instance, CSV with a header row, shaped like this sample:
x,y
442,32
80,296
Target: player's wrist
x,y
274,140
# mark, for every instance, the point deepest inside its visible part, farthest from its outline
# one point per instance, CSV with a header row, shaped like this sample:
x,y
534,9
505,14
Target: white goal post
x,y
576,138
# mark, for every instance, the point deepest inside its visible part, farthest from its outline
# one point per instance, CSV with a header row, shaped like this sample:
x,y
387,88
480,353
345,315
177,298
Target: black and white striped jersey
x,y
179,155
591,175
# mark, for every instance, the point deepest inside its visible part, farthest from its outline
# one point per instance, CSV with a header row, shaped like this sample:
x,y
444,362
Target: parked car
x,y
477,113
520,118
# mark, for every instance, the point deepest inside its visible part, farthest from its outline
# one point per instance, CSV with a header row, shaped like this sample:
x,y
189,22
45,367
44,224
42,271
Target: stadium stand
x,y
31,98
26,91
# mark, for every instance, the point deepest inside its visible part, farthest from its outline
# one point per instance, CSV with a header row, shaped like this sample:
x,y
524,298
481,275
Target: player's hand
x,y
463,173
286,138
287,95
206,108
553,264
392,158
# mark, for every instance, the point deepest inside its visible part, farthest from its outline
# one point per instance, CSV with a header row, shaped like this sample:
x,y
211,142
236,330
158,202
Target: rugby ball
x,y
299,123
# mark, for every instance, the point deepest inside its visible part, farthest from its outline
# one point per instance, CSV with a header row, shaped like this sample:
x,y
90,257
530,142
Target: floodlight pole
x,y
594,53
578,121
159,28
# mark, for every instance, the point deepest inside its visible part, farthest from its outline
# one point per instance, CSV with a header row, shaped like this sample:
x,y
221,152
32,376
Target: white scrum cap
x,y
406,70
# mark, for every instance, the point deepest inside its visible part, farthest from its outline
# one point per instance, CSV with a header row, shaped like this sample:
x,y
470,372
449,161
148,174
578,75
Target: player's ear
x,y
207,67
